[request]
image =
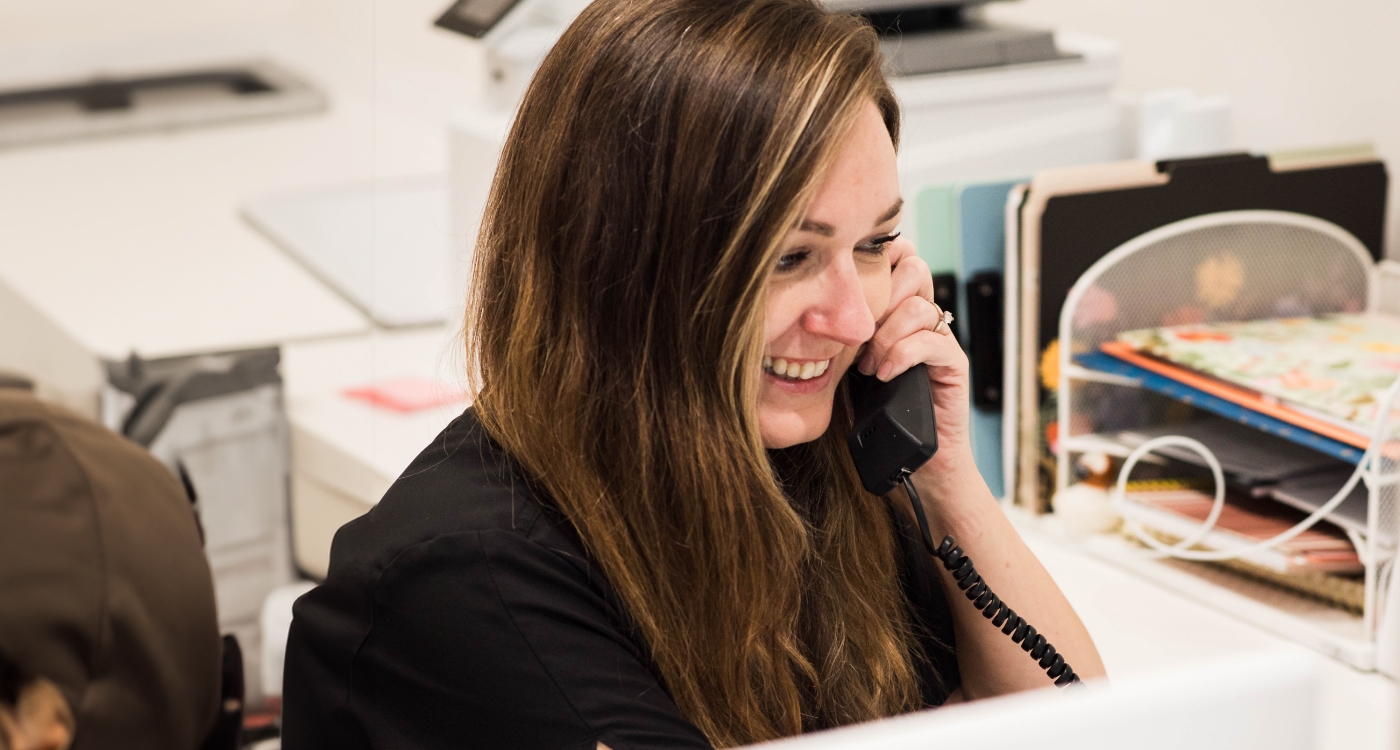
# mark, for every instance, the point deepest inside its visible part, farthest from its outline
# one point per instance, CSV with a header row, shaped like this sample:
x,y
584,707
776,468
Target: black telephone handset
x,y
893,434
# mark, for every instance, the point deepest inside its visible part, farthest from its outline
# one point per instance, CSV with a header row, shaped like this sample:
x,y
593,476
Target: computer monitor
x,y
1257,702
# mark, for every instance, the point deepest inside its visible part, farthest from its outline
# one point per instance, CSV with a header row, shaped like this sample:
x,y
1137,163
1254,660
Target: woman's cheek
x,y
876,283
778,313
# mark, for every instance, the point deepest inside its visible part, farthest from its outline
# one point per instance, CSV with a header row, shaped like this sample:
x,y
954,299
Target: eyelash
x,y
876,246
879,244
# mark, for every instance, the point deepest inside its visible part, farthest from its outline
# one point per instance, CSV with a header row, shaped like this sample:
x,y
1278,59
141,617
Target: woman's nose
x,y
839,312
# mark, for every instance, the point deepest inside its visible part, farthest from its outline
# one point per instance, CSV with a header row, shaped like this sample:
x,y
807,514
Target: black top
x,y
463,611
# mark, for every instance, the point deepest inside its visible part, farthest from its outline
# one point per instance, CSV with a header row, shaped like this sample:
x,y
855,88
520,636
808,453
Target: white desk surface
x,y
135,242
1140,627
348,444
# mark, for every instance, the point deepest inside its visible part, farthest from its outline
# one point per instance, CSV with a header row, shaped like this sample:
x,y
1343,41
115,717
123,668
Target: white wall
x,y
25,22
1300,72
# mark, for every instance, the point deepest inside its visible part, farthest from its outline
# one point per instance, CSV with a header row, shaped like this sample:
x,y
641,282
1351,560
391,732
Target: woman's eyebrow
x,y
826,230
893,212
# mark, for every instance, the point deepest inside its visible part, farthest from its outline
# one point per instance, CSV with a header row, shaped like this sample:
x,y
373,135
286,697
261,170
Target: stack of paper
x,y
1180,513
1326,374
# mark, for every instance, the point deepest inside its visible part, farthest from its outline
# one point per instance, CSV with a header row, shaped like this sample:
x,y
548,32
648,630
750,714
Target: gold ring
x,y
945,322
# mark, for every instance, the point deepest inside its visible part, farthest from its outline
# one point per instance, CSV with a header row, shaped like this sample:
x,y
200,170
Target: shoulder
x,y
459,485
464,605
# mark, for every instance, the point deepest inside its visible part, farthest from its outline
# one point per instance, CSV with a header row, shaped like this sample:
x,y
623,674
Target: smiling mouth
x,y
795,370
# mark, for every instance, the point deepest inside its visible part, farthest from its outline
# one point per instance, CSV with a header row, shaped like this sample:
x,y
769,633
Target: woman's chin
x,y
787,429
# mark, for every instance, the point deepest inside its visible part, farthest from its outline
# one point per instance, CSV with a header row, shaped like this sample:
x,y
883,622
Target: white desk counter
x,y
346,452
1140,628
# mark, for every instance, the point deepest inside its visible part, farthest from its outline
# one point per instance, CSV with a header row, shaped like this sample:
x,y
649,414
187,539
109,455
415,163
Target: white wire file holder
x,y
1164,259
1369,471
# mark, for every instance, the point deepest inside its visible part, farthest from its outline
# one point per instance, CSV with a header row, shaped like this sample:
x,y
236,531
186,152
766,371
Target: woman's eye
x,y
878,245
792,260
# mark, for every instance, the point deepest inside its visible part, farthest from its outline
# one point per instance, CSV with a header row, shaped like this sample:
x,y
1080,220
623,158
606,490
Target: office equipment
x,y
1023,250
1263,701
476,18
934,36
109,251
216,420
1073,217
1228,265
993,123
997,612
384,246
517,35
162,100
894,430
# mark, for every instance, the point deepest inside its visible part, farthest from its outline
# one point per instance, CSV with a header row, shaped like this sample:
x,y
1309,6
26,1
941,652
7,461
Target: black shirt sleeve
x,y
486,639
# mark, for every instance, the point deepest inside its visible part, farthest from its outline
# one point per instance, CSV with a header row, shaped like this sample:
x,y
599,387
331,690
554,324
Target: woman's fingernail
x,y
867,365
885,371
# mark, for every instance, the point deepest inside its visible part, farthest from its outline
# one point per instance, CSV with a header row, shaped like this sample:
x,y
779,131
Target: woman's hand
x,y
958,502
910,331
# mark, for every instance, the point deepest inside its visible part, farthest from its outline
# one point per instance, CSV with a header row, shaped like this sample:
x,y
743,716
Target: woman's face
x,y
830,285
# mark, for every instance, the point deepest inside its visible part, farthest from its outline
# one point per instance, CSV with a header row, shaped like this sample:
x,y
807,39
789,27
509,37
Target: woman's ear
x,y
42,719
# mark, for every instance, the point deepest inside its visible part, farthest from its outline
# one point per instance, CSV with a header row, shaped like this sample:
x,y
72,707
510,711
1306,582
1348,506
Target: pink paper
x,y
408,394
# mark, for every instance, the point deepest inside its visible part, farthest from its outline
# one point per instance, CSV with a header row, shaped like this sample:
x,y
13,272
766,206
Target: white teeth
x,y
795,370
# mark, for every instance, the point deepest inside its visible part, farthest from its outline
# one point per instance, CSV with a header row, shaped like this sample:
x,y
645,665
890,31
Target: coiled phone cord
x,y
993,608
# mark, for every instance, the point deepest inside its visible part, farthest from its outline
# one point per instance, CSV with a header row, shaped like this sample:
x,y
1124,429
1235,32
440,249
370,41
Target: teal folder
x,y
961,230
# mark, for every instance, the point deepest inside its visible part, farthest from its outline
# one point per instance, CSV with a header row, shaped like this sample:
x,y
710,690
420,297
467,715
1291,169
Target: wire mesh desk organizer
x,y
1170,417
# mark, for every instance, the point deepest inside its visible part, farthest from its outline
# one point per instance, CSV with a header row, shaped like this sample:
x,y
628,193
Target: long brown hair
x,y
661,155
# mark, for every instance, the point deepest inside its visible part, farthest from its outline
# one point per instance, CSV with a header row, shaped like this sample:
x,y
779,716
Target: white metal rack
x,y
1267,264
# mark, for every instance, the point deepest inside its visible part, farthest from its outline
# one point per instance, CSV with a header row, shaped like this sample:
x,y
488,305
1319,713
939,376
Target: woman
x,y
647,532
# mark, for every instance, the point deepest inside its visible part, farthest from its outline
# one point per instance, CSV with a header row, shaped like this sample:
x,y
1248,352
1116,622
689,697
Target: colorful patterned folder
x,y
1326,373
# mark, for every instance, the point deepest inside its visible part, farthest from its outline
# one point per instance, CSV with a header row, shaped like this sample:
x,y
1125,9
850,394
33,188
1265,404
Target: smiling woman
x,y
717,166
829,285
648,532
